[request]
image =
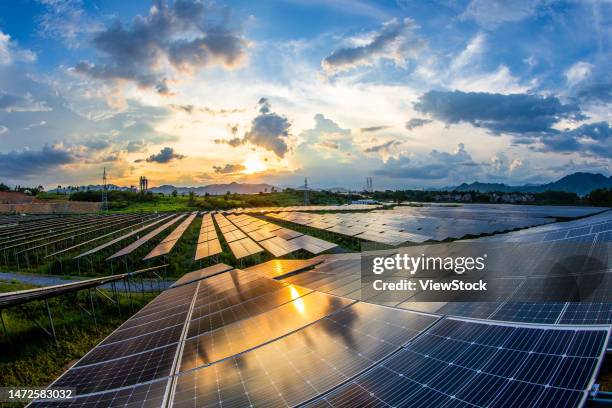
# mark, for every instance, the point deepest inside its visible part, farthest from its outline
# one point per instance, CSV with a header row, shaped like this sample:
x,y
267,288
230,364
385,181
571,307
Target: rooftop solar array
x,y
141,241
423,223
238,338
170,241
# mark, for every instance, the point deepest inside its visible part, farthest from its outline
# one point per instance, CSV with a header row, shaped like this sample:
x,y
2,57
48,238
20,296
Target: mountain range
x,y
212,189
579,183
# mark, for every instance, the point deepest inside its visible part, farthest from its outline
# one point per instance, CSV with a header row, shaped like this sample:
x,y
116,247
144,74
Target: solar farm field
x,y
269,310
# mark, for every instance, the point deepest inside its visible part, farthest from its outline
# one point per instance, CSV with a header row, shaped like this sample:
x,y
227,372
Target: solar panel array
x,y
345,207
341,275
277,240
238,338
423,223
170,241
208,241
141,241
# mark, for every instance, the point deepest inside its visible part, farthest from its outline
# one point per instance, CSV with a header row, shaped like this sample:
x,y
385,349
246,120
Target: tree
x,y
191,198
174,193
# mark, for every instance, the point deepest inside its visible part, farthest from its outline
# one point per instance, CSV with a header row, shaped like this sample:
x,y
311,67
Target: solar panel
x,y
279,268
208,248
234,235
287,233
294,369
168,243
245,334
133,246
278,246
470,363
144,395
123,372
312,244
244,247
202,274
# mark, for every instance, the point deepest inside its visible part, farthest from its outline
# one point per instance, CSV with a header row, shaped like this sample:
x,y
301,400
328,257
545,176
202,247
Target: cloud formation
x,y
229,168
517,114
416,123
10,52
395,41
165,155
26,163
182,36
10,102
436,166
268,130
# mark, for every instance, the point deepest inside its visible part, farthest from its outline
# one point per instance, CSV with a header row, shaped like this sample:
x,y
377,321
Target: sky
x,y
414,94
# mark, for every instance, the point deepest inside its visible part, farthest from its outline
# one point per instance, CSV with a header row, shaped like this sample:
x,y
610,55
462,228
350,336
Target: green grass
x,y
31,358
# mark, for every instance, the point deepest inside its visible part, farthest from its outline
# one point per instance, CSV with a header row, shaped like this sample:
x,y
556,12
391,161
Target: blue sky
x,y
411,93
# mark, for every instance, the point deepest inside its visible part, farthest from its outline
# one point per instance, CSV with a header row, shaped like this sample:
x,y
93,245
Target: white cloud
x,y
578,72
474,48
395,41
498,81
491,13
10,52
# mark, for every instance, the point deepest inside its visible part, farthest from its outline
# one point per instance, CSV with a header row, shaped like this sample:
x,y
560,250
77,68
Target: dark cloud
x,y
10,102
229,168
394,41
184,34
516,114
164,156
417,122
381,147
268,130
34,162
373,128
593,139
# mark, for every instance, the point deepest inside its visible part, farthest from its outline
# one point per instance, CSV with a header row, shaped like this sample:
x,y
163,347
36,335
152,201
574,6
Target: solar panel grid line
x,y
313,367
250,342
168,395
429,381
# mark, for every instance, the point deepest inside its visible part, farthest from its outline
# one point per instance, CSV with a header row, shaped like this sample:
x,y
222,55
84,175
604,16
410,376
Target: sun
x,y
254,164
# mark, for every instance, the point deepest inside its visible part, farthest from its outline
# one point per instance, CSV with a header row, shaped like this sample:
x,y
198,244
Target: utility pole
x,y
104,192
306,198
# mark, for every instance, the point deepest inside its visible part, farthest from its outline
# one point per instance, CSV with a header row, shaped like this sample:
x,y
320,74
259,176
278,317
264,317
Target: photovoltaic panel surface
x,y
469,363
294,369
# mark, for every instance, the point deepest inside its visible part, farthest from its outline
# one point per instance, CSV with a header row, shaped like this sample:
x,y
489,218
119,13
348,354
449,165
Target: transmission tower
x,y
306,198
104,192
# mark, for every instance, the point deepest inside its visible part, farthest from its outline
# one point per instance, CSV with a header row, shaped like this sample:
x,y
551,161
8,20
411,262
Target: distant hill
x,y
216,189
212,189
90,187
579,183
